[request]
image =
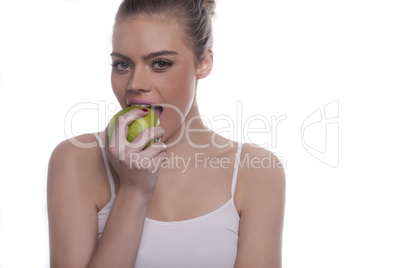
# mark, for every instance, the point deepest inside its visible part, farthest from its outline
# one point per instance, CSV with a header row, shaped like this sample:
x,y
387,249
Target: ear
x,y
205,66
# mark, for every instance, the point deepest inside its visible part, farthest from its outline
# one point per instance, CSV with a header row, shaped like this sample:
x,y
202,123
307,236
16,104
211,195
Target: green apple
x,y
136,127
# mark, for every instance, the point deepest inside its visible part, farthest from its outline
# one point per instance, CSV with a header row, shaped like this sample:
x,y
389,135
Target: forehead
x,y
145,35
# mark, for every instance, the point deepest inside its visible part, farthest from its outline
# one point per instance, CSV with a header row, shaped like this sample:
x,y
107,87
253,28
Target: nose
x,y
139,81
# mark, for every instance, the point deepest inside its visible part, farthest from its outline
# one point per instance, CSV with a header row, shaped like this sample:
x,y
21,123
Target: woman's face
x,y
152,62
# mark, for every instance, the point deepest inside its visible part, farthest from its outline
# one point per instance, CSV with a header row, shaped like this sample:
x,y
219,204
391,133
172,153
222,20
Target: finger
x,y
146,136
120,130
131,116
158,161
155,149
149,158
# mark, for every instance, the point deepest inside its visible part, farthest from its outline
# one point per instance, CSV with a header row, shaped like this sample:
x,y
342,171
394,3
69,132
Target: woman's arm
x,y
120,240
73,217
73,211
262,198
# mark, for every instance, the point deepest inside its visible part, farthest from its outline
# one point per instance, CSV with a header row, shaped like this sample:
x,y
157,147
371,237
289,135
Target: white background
x,y
279,58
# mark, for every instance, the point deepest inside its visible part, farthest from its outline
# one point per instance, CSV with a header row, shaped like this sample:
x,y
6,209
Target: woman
x,y
191,199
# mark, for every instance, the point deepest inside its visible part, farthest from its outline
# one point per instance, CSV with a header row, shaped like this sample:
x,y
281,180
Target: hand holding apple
x,y
136,127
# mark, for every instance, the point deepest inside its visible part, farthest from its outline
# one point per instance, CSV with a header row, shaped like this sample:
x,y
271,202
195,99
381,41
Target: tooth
x,y
142,105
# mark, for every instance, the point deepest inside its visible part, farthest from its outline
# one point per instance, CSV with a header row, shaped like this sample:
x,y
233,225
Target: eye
x,y
119,65
161,64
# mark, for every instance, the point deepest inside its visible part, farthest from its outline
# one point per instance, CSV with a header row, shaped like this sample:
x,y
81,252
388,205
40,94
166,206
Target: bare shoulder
x,y
261,198
74,158
260,173
78,162
74,186
79,146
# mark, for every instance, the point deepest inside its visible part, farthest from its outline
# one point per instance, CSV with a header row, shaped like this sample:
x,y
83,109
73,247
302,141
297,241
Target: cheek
x,y
119,88
182,89
178,90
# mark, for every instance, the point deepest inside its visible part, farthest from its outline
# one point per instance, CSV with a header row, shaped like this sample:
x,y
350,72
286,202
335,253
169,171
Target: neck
x,y
194,136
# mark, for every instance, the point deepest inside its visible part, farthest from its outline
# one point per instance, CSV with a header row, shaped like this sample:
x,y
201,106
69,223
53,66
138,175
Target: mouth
x,y
156,108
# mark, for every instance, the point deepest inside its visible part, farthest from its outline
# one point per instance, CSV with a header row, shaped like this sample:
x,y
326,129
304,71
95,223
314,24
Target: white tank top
x,y
206,241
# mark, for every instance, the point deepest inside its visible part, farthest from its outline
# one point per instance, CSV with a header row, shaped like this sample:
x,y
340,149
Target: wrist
x,y
134,196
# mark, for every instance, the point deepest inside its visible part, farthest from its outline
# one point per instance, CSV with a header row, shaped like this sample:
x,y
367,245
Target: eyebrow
x,y
149,56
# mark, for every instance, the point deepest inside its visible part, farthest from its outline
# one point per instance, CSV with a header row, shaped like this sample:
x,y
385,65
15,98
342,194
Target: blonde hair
x,y
193,16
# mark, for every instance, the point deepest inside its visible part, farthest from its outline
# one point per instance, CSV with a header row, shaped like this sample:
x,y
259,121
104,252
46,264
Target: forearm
x,y
120,241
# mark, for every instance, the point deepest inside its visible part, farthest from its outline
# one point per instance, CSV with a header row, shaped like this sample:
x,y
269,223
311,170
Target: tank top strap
x,y
107,166
236,168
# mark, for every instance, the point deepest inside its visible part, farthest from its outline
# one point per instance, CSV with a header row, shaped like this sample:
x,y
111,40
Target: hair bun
x,y
210,6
